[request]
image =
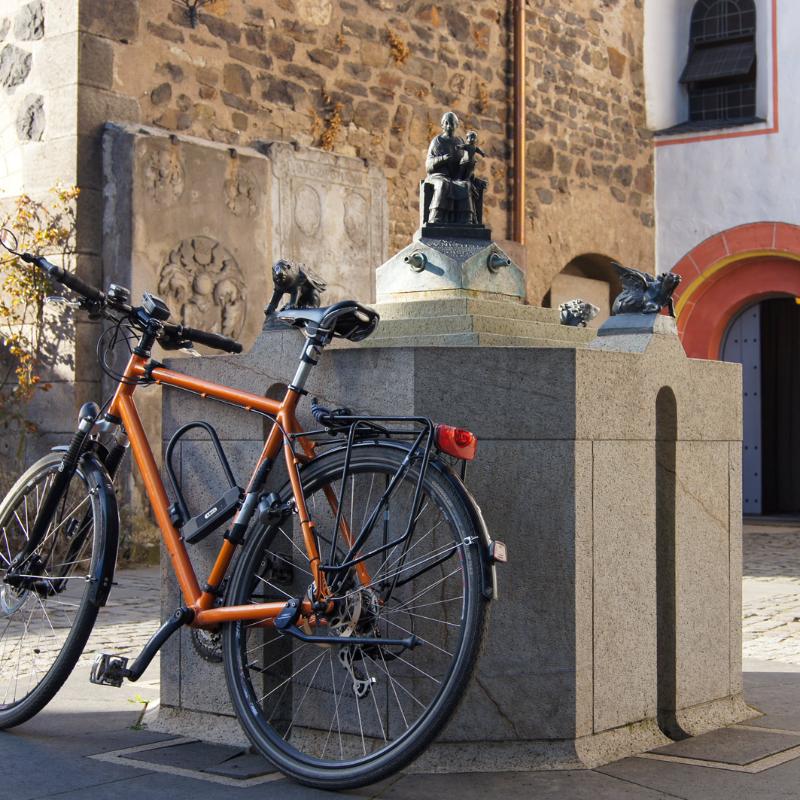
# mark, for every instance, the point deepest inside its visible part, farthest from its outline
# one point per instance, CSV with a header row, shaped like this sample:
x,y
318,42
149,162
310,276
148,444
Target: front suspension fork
x,y
58,489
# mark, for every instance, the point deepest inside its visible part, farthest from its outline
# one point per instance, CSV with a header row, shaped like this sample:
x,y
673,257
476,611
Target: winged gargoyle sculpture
x,y
644,294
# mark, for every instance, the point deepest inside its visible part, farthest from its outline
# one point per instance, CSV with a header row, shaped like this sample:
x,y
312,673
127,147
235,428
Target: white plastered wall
x,y
705,187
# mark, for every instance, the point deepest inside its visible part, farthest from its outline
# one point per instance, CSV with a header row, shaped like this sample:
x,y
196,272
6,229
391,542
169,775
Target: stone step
x,y
455,306
431,326
466,340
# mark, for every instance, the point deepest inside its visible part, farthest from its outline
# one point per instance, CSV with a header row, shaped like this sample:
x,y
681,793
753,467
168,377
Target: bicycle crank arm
x,y
111,670
292,630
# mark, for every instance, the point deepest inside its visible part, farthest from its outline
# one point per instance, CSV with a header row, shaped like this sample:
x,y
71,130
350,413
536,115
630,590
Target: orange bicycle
x,y
352,618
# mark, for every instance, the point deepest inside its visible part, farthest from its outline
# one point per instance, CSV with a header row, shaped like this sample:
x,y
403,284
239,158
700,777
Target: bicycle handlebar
x,y
66,278
178,335
179,332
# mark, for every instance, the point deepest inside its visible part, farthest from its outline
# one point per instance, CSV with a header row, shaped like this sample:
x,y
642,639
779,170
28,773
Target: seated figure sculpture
x,y
451,195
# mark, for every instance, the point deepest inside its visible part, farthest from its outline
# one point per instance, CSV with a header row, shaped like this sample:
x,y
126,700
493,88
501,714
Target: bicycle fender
x,y
488,569
105,564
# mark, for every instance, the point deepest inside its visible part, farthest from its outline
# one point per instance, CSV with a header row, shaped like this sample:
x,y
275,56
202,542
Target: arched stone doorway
x,y
738,303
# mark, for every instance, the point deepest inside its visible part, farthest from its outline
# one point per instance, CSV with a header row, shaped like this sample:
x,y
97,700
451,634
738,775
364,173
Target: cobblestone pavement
x,y
131,616
35,627
771,593
771,608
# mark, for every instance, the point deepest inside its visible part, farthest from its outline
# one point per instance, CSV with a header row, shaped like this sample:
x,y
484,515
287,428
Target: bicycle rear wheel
x,y
46,614
336,716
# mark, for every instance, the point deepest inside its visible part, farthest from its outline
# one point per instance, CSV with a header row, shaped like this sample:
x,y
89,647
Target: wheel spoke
x,y
50,610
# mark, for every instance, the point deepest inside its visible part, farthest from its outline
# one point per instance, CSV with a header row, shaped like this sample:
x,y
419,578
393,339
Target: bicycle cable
x,y
108,341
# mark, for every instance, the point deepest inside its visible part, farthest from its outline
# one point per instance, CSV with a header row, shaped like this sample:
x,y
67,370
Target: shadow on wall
x,y
666,576
591,277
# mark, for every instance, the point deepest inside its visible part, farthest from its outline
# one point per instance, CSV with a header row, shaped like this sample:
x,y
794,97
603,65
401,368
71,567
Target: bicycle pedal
x,y
109,670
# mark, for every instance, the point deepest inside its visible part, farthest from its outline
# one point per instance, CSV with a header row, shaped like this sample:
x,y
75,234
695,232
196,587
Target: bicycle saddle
x,y
347,319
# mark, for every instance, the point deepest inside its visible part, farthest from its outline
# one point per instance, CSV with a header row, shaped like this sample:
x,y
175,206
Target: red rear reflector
x,y
456,442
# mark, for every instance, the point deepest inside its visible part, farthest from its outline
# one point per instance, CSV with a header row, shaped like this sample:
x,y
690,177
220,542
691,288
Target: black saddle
x,y
347,319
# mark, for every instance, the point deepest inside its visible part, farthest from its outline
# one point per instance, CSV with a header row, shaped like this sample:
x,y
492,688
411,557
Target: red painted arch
x,y
729,271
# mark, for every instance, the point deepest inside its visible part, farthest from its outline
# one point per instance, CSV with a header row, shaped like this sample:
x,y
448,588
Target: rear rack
x,y
420,432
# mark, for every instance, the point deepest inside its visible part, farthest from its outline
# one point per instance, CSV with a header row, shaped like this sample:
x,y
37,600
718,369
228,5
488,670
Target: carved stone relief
x,y
164,176
356,208
330,214
242,194
307,209
203,284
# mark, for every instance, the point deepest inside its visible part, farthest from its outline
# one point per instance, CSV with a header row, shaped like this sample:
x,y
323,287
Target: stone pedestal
x,y
614,478
451,292
429,267
465,319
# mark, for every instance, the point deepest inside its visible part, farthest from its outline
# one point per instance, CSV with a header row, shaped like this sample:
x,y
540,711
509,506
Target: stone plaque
x,y
331,214
190,221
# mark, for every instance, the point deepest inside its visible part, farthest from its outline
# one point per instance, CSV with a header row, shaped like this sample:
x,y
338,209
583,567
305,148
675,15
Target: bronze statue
x,y
643,293
299,282
455,193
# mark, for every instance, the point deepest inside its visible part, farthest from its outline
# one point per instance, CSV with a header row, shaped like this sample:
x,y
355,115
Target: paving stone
x,y
242,766
771,593
190,755
732,746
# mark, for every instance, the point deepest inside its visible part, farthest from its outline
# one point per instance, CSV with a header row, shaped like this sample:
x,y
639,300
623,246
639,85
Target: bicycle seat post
x,y
312,351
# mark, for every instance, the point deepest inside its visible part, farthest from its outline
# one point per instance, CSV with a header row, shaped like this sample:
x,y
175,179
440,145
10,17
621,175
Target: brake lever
x,y
173,342
58,300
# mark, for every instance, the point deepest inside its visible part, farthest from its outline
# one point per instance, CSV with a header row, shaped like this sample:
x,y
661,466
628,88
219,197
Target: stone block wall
x,y
612,476
364,78
38,80
589,156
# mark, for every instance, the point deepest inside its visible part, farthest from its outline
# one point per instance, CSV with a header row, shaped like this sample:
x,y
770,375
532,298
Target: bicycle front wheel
x,y
46,613
341,716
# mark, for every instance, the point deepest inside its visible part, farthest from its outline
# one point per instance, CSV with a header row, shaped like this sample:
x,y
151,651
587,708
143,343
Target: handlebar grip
x,y
68,279
211,340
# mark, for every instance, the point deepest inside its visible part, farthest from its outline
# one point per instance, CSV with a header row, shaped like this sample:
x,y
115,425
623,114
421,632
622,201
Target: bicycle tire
x,y
43,630
298,751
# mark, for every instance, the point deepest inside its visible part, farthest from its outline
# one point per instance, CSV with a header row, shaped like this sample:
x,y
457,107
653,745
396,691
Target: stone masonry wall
x,y
365,78
371,78
38,64
589,156
39,54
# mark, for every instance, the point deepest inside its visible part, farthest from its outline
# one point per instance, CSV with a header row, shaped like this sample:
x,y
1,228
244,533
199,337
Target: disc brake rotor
x,y
345,623
11,600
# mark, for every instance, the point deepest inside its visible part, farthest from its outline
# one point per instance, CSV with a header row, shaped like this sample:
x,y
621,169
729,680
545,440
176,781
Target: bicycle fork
x,y
55,494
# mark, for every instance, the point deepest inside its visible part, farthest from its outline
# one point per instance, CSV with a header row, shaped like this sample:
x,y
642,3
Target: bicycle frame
x,y
201,600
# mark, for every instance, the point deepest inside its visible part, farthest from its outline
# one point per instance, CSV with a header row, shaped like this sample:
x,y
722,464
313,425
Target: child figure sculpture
x,y
469,148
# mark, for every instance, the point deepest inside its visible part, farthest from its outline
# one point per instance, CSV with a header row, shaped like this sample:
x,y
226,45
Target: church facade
x,y
719,83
